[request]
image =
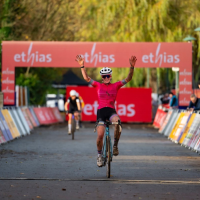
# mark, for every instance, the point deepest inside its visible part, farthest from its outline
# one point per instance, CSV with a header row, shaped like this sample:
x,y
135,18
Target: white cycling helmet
x,y
77,94
105,71
72,93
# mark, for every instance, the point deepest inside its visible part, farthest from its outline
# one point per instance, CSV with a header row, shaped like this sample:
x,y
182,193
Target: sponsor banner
x,y
96,54
129,105
18,122
34,116
15,122
3,129
57,114
51,115
23,120
30,117
195,138
159,118
9,98
172,123
192,130
5,124
2,139
195,134
180,126
169,114
197,145
11,124
27,118
45,115
39,112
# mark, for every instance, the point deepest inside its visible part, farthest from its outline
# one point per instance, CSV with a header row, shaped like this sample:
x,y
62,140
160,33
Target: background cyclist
x,y
107,93
74,108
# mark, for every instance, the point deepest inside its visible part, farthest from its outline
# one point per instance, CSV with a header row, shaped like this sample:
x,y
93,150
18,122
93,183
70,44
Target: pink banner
x,y
96,54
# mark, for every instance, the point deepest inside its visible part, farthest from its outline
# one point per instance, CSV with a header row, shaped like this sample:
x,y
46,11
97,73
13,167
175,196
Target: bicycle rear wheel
x,y
108,156
73,127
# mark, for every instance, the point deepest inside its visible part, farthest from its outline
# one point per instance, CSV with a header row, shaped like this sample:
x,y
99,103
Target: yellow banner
x,y
13,129
173,133
187,128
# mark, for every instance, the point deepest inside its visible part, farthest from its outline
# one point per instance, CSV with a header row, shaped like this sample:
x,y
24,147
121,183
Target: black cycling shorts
x,y
72,110
106,113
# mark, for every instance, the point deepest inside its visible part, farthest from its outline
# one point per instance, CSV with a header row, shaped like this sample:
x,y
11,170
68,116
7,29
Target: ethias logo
x,y
160,58
98,57
32,56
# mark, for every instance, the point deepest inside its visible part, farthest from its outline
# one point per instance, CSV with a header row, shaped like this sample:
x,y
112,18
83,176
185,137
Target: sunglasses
x,y
106,76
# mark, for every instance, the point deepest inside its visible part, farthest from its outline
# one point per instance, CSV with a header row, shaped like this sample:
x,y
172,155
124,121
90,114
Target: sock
x,y
69,127
116,142
77,123
99,152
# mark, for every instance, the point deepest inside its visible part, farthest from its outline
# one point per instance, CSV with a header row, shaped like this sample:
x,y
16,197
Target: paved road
x,y
49,165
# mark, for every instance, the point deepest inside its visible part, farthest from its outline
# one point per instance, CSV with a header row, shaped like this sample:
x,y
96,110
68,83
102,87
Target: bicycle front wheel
x,y
73,127
108,156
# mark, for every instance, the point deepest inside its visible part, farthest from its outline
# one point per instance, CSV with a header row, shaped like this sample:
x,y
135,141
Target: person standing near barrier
x,y
194,103
107,93
198,84
173,103
74,108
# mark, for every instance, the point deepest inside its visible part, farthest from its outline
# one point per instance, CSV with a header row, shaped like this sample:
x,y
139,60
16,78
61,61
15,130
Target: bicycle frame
x,y
104,143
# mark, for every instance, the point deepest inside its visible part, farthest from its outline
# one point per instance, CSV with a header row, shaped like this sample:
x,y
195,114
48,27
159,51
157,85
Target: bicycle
x,y
73,126
107,145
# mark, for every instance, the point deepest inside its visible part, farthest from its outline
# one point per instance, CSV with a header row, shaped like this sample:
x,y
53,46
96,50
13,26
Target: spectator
x,y
173,103
198,84
165,99
194,103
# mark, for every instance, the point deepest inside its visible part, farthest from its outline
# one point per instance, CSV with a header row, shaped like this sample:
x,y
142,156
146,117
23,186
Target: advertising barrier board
x,y
11,124
159,118
129,105
169,114
172,123
193,115
193,128
2,139
180,126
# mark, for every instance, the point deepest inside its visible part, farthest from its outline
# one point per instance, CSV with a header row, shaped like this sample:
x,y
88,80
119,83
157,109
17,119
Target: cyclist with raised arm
x,y
74,108
107,93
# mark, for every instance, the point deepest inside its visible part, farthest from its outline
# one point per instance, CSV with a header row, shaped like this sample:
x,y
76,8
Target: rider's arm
x,y
78,105
85,75
80,61
132,61
66,106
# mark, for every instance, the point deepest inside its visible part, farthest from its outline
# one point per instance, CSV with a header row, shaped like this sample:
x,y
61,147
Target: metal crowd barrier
x,y
180,126
16,122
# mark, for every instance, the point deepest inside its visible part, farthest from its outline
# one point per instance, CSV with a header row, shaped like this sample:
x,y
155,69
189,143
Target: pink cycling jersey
x,y
107,93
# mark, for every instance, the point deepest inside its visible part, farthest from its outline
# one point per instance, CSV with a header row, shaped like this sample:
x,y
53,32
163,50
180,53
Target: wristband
x,y
82,66
132,67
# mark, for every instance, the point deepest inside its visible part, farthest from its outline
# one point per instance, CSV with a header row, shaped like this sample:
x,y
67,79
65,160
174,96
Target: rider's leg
x,y
76,115
69,122
117,134
100,134
80,119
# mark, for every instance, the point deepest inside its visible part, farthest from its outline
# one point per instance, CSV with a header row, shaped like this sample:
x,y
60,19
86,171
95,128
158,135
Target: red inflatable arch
x,y
97,54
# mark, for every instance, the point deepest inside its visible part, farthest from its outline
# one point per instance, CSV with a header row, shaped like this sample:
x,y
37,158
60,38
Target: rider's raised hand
x,y
80,60
132,61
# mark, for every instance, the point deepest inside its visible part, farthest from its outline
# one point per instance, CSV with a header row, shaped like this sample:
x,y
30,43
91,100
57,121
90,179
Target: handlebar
x,y
107,123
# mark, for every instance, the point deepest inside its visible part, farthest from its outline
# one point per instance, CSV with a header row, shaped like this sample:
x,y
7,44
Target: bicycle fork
x,y
104,147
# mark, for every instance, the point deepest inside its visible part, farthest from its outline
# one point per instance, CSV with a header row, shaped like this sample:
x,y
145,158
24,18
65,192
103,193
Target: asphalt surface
x,y
49,165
